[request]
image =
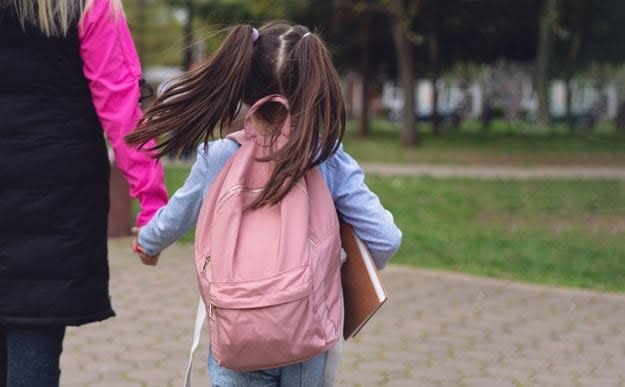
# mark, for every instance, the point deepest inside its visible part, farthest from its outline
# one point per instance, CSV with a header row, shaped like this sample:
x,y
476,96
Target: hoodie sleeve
x,y
360,207
180,214
111,66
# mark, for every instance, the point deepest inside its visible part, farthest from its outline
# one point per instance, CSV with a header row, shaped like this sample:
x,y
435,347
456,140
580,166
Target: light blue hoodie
x,y
356,204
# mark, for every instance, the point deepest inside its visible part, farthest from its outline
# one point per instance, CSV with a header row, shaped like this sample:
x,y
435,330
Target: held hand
x,y
149,260
145,258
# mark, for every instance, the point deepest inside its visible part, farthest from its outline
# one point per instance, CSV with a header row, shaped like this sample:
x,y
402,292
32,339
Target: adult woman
x,y
69,70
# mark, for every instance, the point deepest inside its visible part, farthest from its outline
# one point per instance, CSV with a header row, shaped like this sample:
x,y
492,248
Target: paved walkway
x,y
487,171
497,172
438,329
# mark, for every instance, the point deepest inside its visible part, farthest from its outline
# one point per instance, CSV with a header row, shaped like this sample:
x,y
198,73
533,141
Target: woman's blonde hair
x,y
54,17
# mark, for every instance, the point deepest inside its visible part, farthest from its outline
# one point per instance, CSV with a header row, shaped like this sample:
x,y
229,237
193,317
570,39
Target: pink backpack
x,y
269,277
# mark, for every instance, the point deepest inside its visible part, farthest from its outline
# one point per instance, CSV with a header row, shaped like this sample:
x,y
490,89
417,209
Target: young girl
x,y
277,59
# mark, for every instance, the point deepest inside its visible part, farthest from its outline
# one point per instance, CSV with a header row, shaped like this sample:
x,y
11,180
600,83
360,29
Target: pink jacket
x,y
112,67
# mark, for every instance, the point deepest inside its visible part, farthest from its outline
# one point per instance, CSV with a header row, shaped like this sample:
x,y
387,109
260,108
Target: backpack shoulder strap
x,y
249,131
197,332
239,137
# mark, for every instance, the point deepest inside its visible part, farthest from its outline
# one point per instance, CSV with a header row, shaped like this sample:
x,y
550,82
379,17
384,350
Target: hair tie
x,y
306,34
255,34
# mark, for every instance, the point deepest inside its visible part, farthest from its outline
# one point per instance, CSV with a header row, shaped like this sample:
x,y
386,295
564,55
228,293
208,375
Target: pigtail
x,y
314,91
312,87
197,102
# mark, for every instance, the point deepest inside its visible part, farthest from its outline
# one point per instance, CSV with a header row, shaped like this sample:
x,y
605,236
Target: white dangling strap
x,y
197,332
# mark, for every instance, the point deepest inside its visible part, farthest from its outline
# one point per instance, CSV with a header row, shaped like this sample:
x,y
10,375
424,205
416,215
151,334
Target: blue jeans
x,y
30,356
309,373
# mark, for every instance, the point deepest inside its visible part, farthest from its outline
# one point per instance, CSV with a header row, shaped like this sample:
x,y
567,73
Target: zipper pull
x,y
211,311
206,260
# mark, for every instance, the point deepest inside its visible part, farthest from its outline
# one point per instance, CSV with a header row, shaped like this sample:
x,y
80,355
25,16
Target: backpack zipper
x,y
206,261
211,311
234,191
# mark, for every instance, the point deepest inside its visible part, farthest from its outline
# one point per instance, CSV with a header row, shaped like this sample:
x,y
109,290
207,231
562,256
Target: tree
x,y
547,21
360,13
365,69
434,65
403,12
187,57
367,51
573,27
153,24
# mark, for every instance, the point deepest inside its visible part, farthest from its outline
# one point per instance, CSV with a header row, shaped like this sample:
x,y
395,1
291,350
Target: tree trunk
x,y
487,113
576,42
365,72
405,60
434,67
619,120
140,37
187,55
434,71
342,13
569,114
545,43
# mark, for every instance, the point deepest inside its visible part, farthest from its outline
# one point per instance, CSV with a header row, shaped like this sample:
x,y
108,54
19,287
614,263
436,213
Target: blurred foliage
x,y
473,31
157,31
446,37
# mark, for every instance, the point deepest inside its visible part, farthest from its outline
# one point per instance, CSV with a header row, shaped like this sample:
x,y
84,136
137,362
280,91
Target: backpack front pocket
x,y
267,291
261,323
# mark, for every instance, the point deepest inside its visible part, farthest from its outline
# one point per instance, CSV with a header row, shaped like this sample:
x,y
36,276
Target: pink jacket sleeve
x,y
111,65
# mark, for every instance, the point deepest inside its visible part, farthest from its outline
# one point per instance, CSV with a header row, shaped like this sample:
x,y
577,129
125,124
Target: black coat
x,y
54,174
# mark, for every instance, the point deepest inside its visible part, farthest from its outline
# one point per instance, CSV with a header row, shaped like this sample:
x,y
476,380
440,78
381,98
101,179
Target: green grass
x,y
175,176
509,144
566,233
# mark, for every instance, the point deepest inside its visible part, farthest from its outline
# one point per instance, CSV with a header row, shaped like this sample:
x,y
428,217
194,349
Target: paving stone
x,y
488,382
117,383
555,380
439,374
411,383
464,367
478,355
591,381
382,367
439,329
523,363
360,378
151,376
508,373
71,376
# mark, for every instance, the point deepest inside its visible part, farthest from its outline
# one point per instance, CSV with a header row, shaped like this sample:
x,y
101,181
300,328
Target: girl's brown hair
x,y
284,59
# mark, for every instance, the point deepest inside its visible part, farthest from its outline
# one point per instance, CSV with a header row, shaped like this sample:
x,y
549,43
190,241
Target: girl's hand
x,y
146,259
